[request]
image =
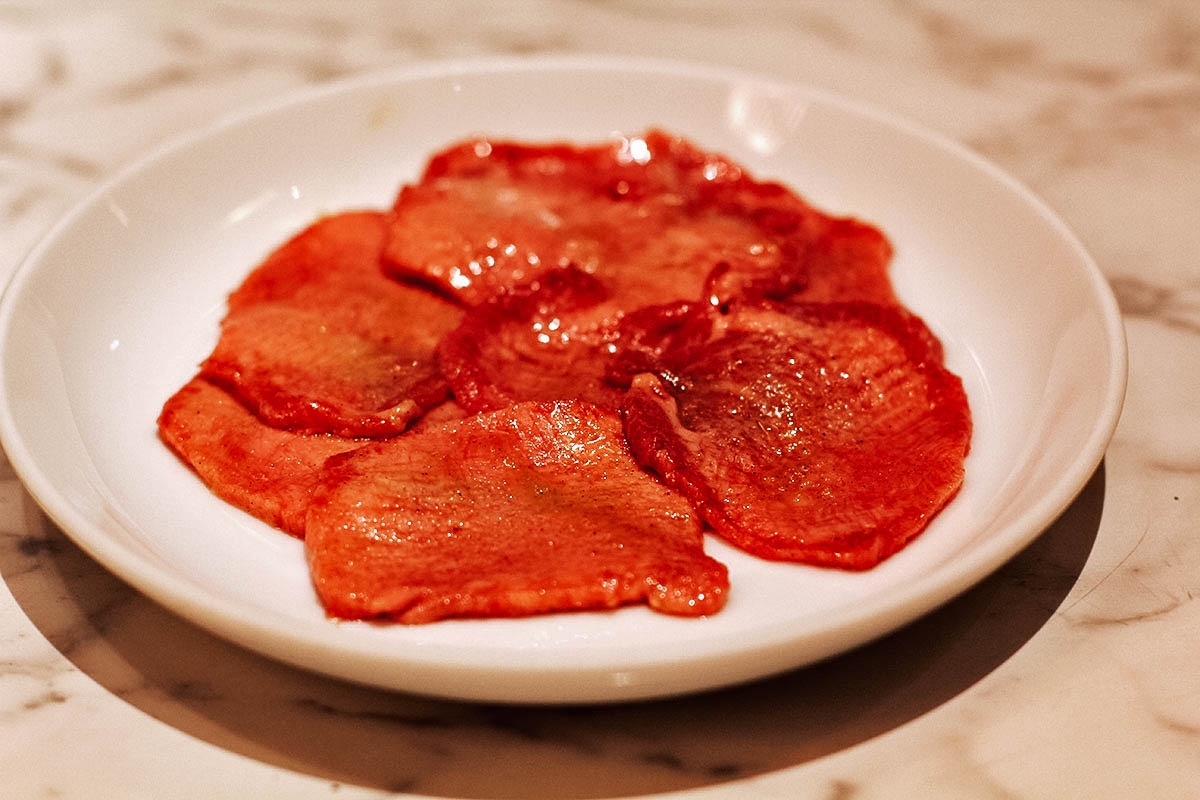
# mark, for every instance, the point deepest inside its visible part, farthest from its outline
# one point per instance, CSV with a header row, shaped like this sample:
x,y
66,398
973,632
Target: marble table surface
x,y
1071,672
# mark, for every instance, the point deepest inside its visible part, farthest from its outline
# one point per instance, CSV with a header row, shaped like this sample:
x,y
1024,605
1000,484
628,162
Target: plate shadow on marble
x,y
347,734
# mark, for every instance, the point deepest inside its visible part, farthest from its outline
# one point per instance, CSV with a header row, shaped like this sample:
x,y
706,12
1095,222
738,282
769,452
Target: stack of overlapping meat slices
x,y
538,380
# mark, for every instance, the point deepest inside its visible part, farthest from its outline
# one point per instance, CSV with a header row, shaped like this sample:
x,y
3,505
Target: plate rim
x,y
870,619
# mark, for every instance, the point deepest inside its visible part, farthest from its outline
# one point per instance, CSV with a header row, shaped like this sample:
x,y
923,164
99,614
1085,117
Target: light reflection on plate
x,y
112,312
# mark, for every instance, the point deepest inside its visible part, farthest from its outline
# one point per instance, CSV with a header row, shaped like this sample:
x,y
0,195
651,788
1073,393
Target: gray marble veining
x,y
1069,673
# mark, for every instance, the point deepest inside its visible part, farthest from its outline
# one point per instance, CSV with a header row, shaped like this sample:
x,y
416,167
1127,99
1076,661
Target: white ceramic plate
x,y
113,311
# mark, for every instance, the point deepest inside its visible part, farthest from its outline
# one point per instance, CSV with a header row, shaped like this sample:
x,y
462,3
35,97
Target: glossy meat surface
x,y
264,471
553,245
538,507
318,339
448,411
550,339
651,217
821,433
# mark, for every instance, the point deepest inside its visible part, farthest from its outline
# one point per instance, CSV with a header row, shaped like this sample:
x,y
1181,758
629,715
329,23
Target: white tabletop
x,y
1071,672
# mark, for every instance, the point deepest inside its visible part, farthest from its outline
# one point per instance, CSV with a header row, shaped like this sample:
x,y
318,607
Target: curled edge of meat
x,y
663,443
619,536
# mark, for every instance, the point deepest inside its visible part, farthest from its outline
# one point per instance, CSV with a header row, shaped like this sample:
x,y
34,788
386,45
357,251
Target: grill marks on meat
x,y
537,507
828,434
318,339
265,471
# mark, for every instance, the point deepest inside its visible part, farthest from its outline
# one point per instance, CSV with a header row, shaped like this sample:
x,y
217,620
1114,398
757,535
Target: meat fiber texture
x,y
450,400
551,246
550,339
533,508
824,433
265,471
319,351
319,340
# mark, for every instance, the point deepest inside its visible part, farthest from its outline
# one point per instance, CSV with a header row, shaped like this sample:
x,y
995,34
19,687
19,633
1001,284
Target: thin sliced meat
x,y
843,261
471,238
318,339
550,339
646,335
669,258
538,507
448,411
828,434
847,263
651,217
264,471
